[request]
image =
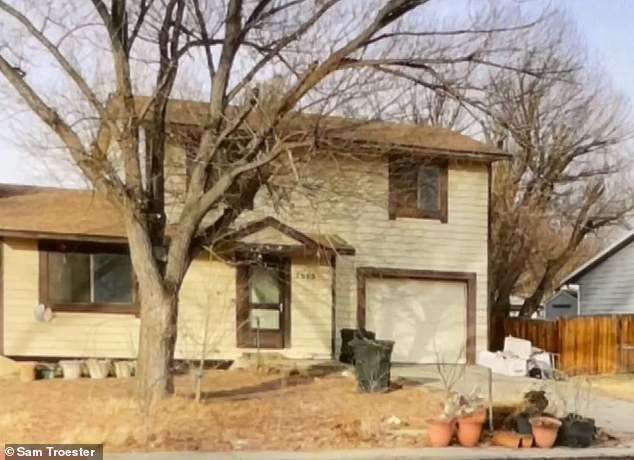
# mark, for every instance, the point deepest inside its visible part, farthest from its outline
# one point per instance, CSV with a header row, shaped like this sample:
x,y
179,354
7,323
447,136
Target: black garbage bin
x,y
347,336
372,364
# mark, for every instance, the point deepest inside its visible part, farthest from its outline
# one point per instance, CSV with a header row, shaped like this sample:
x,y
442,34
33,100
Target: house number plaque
x,y
305,276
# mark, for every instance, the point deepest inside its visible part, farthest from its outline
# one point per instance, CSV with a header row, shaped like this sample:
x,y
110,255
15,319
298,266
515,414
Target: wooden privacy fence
x,y
584,344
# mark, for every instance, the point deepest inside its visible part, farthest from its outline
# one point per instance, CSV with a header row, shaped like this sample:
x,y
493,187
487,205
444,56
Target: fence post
x,y
619,341
561,330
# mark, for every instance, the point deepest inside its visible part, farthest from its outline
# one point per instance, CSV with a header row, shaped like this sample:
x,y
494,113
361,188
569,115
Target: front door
x,y
263,303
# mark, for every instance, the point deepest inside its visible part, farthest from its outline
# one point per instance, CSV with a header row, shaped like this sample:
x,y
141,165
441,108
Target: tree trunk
x,y
159,310
154,378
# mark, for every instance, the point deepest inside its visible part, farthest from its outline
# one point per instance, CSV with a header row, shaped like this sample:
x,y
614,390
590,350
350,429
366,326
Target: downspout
x,y
333,308
490,321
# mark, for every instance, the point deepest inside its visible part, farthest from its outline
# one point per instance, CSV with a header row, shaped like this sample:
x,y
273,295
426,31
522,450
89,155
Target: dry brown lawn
x,y
241,409
620,386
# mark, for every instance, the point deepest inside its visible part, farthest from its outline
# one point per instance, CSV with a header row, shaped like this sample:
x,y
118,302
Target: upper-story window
x,y
80,277
418,188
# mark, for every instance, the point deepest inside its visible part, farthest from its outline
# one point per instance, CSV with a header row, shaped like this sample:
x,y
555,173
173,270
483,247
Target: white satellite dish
x,y
43,314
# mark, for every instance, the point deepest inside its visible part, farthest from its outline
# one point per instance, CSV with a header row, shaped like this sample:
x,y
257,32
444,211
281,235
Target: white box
x,y
489,359
503,364
514,367
518,347
543,357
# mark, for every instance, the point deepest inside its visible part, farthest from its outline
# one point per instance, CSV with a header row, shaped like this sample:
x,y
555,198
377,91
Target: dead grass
x,y
241,409
620,386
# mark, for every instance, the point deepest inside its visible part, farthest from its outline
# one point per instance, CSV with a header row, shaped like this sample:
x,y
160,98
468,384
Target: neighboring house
x,y
605,283
516,303
561,304
409,264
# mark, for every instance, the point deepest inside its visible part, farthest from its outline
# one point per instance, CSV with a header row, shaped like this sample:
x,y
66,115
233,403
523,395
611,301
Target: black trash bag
x,y
576,431
348,335
372,362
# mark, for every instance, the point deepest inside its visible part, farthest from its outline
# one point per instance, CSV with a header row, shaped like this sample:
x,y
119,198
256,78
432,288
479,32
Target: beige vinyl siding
x,y
207,316
68,334
311,308
349,197
206,323
207,319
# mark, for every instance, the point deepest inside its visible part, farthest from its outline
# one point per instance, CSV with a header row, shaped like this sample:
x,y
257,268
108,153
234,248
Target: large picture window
x,y
81,277
418,188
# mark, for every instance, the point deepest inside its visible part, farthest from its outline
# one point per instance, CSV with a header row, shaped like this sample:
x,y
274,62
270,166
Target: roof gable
x,y
598,259
270,235
564,293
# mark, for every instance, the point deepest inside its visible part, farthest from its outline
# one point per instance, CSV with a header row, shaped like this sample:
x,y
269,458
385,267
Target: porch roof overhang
x,y
256,236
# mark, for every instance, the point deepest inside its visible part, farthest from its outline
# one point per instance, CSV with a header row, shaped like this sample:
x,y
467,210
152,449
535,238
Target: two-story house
x,y
392,236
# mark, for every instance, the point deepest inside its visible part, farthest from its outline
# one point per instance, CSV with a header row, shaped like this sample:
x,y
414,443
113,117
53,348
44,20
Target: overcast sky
x,y
607,26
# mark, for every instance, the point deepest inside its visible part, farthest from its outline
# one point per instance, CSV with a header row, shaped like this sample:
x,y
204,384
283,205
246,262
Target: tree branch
x,y
99,173
57,55
144,7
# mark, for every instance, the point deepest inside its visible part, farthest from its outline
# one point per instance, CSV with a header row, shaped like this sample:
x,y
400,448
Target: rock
x,y
347,374
393,421
239,444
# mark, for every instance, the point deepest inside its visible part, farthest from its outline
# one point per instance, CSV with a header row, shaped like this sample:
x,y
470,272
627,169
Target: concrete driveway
x,y
614,415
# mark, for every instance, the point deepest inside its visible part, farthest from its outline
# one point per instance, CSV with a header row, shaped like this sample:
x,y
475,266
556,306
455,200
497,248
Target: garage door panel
x,y
426,318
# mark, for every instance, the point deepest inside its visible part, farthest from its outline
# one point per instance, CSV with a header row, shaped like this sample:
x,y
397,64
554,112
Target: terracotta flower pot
x,y
479,416
545,431
27,371
469,431
440,432
527,440
507,439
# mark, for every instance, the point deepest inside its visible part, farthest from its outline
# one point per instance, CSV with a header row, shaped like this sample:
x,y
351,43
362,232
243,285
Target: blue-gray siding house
x,y
606,282
563,303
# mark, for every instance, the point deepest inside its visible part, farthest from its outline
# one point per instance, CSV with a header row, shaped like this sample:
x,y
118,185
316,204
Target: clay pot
x,y
469,430
123,369
98,368
27,371
526,440
479,415
545,431
71,369
507,439
439,432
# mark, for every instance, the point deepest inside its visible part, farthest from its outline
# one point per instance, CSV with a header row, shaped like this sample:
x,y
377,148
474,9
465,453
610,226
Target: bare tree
x,y
567,181
322,52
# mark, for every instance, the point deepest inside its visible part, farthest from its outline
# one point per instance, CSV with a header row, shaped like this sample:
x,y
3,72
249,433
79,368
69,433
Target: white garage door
x,y
426,318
